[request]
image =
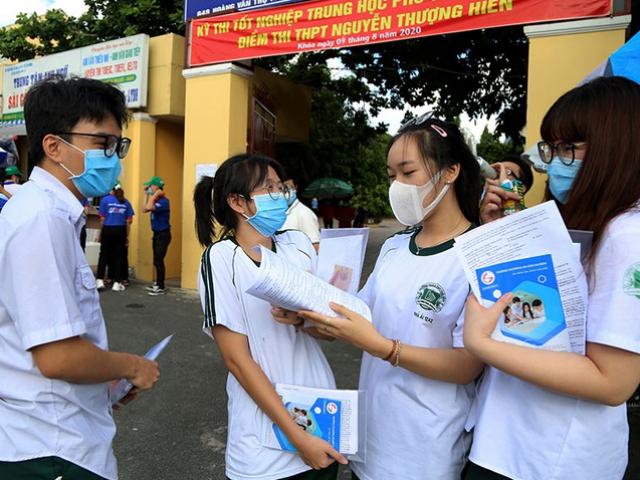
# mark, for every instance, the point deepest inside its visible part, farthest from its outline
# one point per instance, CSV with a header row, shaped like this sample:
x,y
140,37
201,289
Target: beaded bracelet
x,y
393,351
396,361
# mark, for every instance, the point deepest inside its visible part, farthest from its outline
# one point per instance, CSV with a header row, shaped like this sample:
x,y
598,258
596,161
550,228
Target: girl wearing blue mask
x,y
543,414
244,206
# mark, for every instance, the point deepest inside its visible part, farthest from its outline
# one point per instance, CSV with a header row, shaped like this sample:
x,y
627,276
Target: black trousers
x,y
476,472
161,241
45,468
329,473
113,241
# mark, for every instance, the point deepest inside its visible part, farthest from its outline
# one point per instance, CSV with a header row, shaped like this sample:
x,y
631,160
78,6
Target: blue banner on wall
x,y
203,8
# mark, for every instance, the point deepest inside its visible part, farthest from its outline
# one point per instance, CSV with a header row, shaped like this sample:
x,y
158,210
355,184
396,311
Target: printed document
x,y
287,286
329,414
341,257
122,387
531,255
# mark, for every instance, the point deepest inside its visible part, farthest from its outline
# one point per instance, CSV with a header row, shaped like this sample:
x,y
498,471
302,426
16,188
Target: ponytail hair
x,y
239,175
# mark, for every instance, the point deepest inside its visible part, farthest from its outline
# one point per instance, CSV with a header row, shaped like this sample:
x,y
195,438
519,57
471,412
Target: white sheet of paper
x,y
205,170
538,230
288,286
122,387
341,257
319,404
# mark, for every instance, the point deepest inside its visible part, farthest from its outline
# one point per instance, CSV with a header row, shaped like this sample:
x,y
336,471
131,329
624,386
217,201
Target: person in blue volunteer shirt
x,y
12,177
158,205
56,408
116,214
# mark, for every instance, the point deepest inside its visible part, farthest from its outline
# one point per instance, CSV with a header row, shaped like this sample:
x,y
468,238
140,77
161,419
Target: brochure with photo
x,y
329,414
535,315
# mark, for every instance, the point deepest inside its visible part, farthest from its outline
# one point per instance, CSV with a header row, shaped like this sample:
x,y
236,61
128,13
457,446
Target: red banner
x,y
326,24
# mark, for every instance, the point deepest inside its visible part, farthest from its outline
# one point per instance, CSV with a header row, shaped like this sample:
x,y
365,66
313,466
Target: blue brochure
x,y
326,413
535,314
321,419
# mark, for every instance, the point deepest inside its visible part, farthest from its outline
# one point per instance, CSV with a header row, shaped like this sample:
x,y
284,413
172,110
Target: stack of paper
x,y
531,255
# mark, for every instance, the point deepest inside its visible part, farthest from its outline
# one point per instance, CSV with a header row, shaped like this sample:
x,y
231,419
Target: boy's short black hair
x,y
56,105
536,303
515,299
527,174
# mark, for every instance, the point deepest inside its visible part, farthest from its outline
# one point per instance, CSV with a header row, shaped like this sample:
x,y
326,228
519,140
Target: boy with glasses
x,y
56,409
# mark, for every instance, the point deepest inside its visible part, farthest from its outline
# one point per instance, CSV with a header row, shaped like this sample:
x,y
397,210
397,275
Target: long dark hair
x,y
238,175
604,113
447,151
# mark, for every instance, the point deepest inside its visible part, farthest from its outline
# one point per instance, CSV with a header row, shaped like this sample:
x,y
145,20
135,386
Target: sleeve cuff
x,y
54,334
621,342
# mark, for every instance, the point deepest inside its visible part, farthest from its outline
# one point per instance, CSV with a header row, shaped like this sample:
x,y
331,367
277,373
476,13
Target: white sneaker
x,y
156,291
151,288
118,287
100,284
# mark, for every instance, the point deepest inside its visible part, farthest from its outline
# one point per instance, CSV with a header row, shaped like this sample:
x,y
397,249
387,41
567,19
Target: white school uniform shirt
x,y
300,217
415,425
525,432
48,294
284,354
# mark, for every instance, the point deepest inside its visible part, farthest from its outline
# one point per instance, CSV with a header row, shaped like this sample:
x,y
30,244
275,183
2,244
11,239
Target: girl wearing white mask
x,y
417,375
245,205
557,415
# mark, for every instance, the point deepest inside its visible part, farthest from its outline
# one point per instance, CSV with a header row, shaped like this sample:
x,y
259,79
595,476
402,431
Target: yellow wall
x,y
217,101
557,64
169,158
138,167
166,86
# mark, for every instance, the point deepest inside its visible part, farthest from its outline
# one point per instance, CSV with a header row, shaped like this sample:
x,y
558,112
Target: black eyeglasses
x,y
275,190
112,143
566,151
417,121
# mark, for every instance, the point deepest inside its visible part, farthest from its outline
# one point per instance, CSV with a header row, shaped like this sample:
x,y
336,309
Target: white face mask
x,y
406,200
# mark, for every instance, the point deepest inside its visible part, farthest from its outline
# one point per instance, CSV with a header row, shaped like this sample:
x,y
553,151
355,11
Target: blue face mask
x,y
100,172
561,178
292,197
270,214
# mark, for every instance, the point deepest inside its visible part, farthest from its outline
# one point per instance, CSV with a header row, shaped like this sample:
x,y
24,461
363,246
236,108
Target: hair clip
x,y
440,131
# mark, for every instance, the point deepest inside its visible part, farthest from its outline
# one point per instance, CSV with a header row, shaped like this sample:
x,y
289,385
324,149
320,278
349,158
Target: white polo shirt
x,y
300,217
528,433
284,354
415,425
48,294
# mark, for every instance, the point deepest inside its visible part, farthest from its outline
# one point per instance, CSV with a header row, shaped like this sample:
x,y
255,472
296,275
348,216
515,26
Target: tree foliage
x,y
492,149
35,35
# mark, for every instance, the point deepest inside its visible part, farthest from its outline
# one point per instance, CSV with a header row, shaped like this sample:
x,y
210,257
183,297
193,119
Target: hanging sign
x,y
327,24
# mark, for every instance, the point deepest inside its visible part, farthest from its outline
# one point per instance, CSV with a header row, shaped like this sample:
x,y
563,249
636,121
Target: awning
x,y
12,128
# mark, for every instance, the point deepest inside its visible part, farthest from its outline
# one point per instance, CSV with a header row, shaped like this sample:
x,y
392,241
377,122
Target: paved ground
x,y
178,431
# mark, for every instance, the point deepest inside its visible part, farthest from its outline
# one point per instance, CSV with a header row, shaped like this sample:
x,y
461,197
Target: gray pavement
x,y
178,431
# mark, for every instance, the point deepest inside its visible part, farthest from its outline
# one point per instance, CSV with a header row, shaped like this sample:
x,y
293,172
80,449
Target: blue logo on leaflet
x,y
321,419
535,314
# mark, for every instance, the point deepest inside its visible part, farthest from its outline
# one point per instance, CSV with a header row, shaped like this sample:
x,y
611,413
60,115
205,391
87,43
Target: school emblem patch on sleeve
x,y
631,281
431,297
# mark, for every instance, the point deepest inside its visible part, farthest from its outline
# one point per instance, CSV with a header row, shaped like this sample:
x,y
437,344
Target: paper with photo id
x,y
531,255
341,257
329,414
287,286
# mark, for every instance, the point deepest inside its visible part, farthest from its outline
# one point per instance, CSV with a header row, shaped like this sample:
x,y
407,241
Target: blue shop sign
x,y
203,8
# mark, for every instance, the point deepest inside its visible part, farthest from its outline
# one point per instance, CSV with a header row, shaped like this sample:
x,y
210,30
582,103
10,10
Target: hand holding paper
x,y
287,286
